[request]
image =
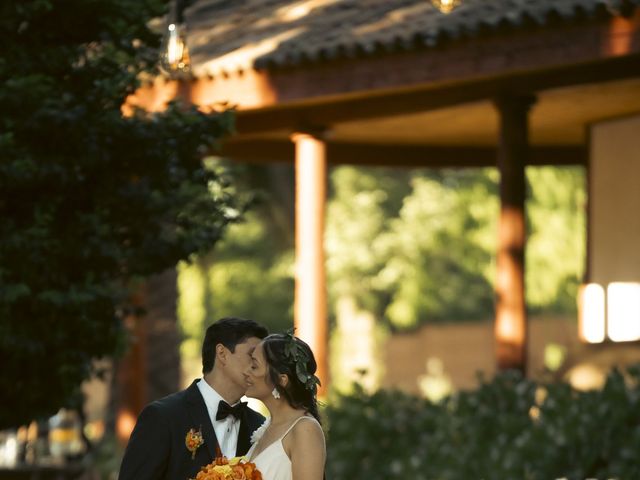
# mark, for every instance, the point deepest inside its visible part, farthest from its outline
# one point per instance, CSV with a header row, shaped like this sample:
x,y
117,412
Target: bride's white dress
x,y
273,462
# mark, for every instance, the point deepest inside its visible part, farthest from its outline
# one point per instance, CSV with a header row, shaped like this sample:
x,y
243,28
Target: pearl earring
x,y
275,393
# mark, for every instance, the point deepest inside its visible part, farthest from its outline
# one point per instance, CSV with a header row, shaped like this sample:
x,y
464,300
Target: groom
x,y
177,435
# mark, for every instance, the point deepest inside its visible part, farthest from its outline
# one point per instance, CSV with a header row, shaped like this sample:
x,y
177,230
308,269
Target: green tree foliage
x,y
89,198
248,274
508,427
245,275
414,245
556,246
440,249
362,203
419,246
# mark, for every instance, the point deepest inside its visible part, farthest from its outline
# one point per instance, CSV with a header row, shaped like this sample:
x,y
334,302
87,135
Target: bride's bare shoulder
x,y
307,430
308,451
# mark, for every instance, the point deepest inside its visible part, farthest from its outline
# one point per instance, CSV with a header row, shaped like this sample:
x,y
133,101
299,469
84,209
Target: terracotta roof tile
x,y
229,35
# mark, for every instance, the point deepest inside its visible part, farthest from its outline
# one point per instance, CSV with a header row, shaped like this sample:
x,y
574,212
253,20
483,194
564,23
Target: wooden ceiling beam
x,y
433,96
268,151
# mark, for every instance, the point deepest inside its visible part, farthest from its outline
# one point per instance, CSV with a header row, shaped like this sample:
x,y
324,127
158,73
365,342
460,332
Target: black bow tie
x,y
224,410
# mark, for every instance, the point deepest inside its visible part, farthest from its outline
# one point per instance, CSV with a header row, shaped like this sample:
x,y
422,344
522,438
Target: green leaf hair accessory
x,y
296,354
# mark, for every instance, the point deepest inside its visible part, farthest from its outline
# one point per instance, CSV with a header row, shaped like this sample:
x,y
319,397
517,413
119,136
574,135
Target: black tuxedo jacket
x,y
157,449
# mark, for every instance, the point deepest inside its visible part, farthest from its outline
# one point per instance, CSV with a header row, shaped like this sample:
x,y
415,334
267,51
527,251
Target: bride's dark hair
x,y
288,355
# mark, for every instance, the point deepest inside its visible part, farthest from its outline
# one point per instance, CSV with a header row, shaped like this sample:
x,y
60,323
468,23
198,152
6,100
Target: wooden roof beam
x,y
267,151
433,96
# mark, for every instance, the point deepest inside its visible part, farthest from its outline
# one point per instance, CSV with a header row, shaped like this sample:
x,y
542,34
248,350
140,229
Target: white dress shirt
x,y
226,430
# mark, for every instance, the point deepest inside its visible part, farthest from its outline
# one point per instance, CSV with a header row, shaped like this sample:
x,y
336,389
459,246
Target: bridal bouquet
x,y
234,469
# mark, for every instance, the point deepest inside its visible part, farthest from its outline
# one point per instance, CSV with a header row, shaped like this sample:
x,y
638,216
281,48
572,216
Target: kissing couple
x,y
177,435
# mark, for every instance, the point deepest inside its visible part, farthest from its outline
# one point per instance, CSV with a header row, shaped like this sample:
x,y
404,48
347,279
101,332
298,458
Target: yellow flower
x,y
236,468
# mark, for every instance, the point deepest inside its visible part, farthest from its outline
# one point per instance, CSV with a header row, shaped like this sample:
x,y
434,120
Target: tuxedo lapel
x,y
243,434
200,416
250,421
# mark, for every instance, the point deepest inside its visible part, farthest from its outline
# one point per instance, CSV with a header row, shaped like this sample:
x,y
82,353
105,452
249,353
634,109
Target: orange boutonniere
x,y
193,440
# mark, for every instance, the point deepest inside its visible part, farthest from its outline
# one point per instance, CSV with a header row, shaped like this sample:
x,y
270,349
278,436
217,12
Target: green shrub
x,y
507,428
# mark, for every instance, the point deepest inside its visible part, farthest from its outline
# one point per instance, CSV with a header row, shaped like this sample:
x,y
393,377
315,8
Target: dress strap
x,y
295,422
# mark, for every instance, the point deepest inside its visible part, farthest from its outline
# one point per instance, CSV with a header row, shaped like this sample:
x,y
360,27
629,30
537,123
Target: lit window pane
x,y
592,313
623,311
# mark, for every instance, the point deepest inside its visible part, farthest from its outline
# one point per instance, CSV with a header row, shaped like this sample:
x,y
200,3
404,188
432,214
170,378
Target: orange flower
x,y
234,469
237,473
193,440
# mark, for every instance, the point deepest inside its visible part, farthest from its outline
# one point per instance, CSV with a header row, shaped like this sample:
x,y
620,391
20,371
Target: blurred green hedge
x,y
508,428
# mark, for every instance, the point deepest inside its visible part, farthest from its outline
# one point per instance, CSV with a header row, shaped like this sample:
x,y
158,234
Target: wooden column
x,y
310,308
511,316
130,381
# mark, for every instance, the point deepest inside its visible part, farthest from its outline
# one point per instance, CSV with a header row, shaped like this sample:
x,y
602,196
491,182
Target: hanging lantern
x,y
175,54
445,6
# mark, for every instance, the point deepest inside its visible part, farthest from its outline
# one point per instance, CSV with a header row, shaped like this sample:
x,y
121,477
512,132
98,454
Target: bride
x,y
290,445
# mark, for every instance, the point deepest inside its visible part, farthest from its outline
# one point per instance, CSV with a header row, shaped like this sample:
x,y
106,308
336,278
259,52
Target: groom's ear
x,y
221,353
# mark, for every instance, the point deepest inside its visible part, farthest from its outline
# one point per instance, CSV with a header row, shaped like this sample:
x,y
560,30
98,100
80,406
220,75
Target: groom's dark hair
x,y
229,331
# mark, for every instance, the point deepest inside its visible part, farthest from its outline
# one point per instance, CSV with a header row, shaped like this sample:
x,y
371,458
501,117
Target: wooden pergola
x,y
503,83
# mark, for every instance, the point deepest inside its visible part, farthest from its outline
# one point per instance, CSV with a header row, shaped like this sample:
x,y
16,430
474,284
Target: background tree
x,y
439,250
250,272
90,199
418,246
556,247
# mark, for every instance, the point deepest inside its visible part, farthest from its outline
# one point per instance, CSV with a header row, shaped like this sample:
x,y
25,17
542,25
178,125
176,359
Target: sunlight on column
x,y
510,314
507,328
591,313
623,311
310,172
310,310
